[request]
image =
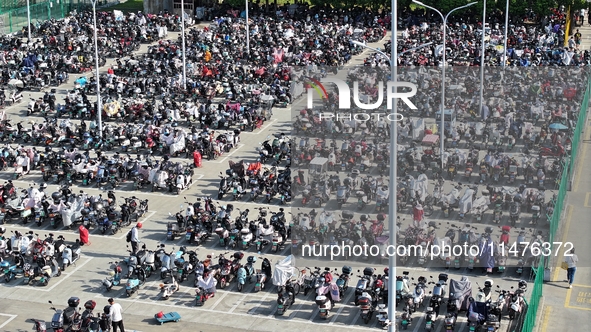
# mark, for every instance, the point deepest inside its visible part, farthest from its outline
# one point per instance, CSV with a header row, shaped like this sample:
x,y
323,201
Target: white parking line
x,y
202,309
462,326
420,324
440,323
226,155
67,274
259,305
354,322
346,300
219,301
263,128
238,303
11,317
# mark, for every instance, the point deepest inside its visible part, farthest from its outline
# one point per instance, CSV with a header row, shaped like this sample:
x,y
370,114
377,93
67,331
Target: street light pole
x,y
247,30
482,58
393,161
29,19
99,109
393,175
184,45
506,34
444,21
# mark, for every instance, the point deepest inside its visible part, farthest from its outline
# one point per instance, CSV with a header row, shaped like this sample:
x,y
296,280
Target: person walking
x,y
135,239
571,260
116,315
578,39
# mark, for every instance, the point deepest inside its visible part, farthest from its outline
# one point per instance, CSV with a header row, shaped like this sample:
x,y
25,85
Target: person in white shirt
x,y
116,315
571,260
135,239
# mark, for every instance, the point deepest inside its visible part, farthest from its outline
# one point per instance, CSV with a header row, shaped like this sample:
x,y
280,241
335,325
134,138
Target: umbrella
x,y
557,126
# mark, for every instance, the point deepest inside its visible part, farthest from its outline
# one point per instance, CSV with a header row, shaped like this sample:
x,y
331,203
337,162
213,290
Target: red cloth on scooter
x,y
84,238
417,213
197,158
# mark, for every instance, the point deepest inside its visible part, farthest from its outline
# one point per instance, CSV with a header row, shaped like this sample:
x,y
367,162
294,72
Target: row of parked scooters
x,y
36,260
69,209
175,268
73,318
197,224
482,311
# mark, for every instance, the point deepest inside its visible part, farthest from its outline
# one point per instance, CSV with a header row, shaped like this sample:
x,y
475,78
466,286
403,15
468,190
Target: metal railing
x,y
530,316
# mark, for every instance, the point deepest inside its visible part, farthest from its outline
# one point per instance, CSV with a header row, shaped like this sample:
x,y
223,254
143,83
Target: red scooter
x,y
557,151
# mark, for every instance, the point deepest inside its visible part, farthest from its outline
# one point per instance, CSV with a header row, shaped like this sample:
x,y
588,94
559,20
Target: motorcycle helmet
x,y
42,186
363,218
85,212
56,196
522,284
139,225
386,271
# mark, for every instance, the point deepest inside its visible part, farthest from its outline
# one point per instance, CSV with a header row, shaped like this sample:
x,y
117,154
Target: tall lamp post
x,y
184,47
444,18
482,58
393,154
247,30
506,33
29,19
99,109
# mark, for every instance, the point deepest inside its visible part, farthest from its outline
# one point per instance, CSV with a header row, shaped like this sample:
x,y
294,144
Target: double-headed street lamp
x,y
444,18
393,155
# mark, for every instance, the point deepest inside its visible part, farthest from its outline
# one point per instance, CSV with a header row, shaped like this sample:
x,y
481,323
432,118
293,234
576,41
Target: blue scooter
x,y
114,278
133,285
245,272
10,271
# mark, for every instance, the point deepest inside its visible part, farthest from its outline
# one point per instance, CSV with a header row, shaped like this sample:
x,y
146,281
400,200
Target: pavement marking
x,y
462,326
259,305
202,309
238,303
67,274
11,317
219,300
546,316
354,322
226,155
583,298
419,324
260,131
346,300
567,221
587,199
580,166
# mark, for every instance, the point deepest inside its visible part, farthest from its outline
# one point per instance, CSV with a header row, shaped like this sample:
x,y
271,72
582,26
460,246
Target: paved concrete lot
x,y
229,310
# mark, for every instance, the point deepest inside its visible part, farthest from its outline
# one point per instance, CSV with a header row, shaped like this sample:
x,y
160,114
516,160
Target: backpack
x,y
128,238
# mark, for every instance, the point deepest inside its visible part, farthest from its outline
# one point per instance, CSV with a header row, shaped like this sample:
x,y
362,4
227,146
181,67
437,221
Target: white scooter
x,y
70,255
324,306
167,289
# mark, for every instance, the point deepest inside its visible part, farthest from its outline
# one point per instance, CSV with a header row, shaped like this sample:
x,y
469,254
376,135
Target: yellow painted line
x,y
587,200
584,286
579,308
580,165
557,268
546,316
567,299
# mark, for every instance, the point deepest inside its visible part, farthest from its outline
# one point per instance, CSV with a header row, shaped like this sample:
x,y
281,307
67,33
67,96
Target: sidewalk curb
x,y
540,314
